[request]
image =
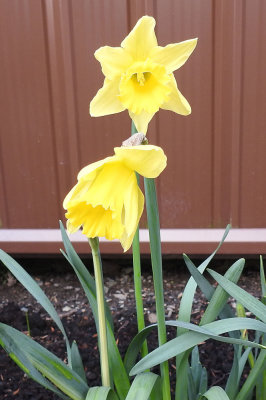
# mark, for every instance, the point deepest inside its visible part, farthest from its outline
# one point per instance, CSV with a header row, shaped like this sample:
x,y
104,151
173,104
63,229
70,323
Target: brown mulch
x,y
63,289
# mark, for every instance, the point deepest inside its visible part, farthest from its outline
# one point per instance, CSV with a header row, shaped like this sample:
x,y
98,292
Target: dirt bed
x,y
63,289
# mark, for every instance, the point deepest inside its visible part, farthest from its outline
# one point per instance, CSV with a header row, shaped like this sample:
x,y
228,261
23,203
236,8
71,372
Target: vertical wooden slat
x,y
228,48
185,187
237,73
96,24
138,8
221,151
253,166
27,146
3,198
62,93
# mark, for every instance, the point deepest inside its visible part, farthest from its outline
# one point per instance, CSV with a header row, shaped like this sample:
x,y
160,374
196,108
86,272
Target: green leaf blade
x,y
216,393
101,393
199,334
34,289
117,368
142,386
42,360
246,299
77,364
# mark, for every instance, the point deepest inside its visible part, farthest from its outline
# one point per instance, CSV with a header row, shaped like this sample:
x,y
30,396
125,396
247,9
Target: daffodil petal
x,y
174,55
147,160
71,228
139,76
106,100
141,120
104,192
133,204
100,222
68,197
177,101
144,87
76,215
86,176
85,173
77,195
141,40
114,60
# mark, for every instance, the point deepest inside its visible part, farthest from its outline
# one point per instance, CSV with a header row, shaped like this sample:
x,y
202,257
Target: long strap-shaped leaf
x,y
181,391
189,292
135,345
84,276
77,364
156,261
137,273
44,361
117,368
218,296
262,279
142,386
259,367
34,289
101,393
16,354
242,362
215,393
184,314
198,381
217,305
246,299
197,336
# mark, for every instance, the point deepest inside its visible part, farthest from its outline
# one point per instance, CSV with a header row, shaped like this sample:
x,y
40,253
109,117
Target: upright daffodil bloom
x,y
107,201
139,76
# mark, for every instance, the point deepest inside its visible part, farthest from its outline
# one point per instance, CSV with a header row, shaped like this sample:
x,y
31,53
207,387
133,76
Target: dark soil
x,y
63,289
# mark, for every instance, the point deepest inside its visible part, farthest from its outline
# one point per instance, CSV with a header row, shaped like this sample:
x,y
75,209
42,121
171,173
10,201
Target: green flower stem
x,y
138,289
94,243
137,276
156,260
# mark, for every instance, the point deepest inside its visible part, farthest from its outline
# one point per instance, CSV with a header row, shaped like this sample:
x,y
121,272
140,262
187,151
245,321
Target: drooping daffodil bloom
x,y
106,201
139,76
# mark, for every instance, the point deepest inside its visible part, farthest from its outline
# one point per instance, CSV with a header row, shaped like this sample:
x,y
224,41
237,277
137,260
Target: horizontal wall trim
x,y
174,241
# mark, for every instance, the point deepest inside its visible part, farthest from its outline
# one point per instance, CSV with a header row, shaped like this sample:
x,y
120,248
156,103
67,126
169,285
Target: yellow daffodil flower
x,y
107,201
139,76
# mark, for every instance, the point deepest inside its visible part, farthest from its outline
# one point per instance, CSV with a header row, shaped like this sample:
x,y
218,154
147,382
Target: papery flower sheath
x,y
107,201
139,76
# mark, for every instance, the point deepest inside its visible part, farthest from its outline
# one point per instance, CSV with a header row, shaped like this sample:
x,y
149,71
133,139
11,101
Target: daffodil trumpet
x,y
106,201
139,76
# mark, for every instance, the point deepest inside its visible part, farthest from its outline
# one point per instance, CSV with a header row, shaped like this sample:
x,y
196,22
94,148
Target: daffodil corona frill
x,y
139,76
107,201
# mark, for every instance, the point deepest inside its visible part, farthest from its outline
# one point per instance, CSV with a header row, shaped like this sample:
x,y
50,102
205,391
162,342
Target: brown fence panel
x,y
185,187
253,124
216,168
30,187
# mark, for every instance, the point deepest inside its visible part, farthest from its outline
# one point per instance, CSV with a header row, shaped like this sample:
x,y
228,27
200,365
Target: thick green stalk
x,y
138,289
137,276
156,260
94,243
